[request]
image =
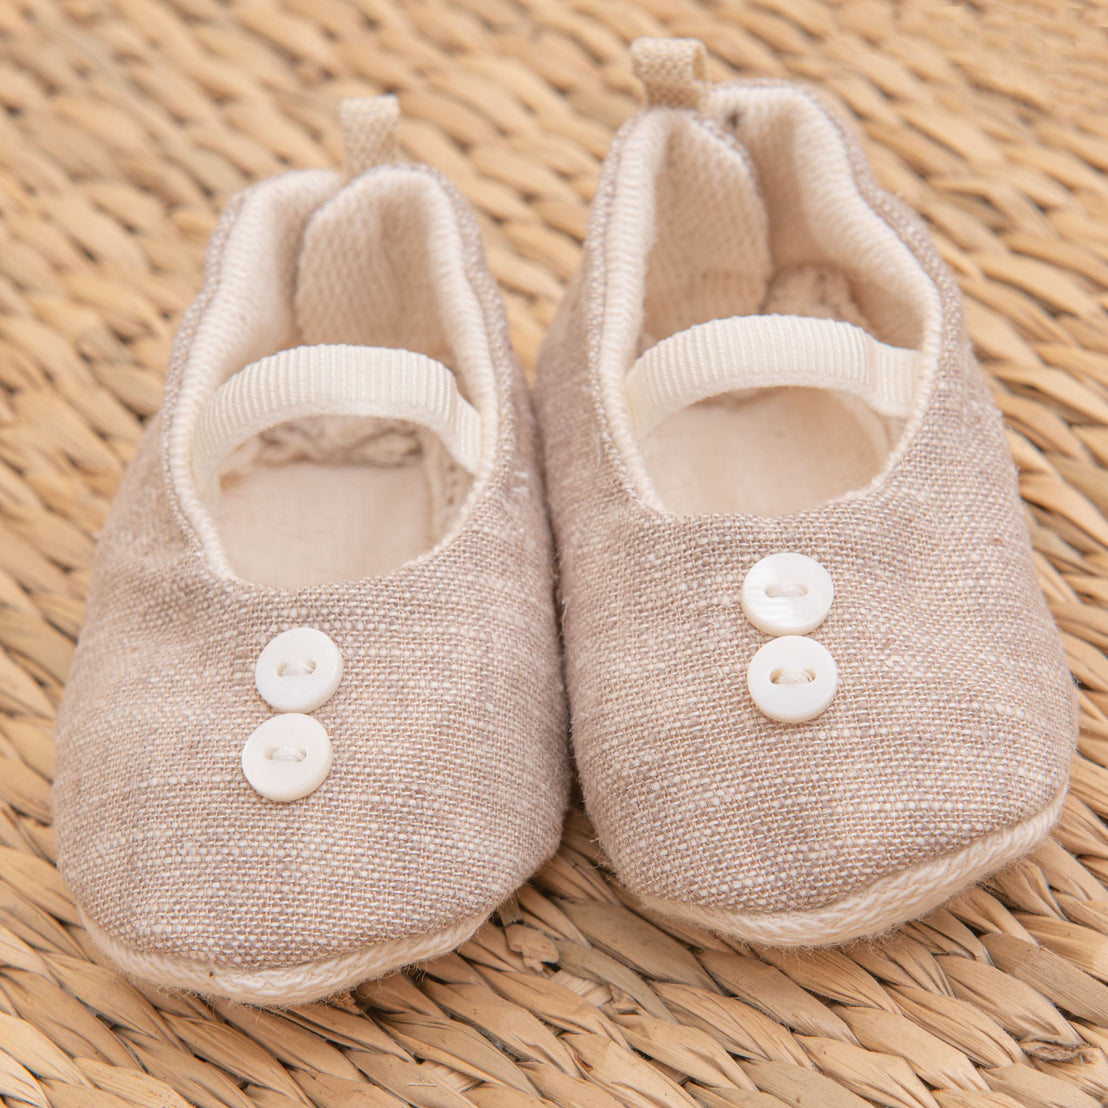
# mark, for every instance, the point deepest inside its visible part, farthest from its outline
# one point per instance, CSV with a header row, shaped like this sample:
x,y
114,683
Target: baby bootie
x,y
814,685
314,729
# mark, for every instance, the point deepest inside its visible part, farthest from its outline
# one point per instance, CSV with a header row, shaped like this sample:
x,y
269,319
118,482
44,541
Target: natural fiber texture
x,y
673,72
875,907
433,812
368,131
130,123
282,986
954,718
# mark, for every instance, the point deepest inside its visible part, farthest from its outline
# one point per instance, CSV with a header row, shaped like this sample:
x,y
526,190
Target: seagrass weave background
x,y
128,123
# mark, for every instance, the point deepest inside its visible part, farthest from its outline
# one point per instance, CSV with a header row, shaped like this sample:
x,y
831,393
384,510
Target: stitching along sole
x,y
881,906
282,986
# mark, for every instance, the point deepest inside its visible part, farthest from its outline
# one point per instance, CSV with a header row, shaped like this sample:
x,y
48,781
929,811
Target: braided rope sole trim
x,y
282,986
883,905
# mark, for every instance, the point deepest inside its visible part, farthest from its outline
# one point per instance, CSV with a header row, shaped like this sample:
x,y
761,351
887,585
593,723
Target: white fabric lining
x,y
381,265
242,315
818,216
303,524
764,452
708,245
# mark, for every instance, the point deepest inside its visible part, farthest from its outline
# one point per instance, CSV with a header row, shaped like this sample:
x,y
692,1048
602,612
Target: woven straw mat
x,y
127,124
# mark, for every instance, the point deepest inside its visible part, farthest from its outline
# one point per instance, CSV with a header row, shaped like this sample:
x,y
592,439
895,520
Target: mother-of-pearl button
x,y
287,757
298,670
787,594
792,679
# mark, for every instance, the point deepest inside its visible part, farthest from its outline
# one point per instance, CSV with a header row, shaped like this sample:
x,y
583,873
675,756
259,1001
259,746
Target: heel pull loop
x,y
369,125
673,71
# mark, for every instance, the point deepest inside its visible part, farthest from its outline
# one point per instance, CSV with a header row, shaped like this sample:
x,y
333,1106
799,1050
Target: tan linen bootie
x,y
315,727
814,686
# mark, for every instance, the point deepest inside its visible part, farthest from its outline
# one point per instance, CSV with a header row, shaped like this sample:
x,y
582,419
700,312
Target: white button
x,y
792,679
299,670
287,757
787,594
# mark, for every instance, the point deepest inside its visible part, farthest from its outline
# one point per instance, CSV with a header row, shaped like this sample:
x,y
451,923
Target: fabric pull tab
x,y
369,126
674,71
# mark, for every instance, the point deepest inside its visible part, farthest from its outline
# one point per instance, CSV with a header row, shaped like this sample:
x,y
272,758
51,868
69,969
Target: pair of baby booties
x,y
315,729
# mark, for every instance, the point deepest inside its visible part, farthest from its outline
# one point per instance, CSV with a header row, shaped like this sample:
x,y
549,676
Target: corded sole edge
x,y
885,904
281,986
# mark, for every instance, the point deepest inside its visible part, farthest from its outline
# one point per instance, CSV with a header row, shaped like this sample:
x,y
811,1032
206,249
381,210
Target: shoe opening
x,y
739,229
369,270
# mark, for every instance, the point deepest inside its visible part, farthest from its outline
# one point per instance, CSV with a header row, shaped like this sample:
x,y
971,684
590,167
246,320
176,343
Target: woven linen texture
x,y
450,770
955,714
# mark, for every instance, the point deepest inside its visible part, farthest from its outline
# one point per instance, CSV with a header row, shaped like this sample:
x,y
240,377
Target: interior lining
x,y
703,265
366,272
310,523
329,499
696,468
818,217
706,227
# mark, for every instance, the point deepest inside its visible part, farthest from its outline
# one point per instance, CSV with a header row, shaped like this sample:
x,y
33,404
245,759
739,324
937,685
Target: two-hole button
x,y
289,756
792,678
299,670
787,594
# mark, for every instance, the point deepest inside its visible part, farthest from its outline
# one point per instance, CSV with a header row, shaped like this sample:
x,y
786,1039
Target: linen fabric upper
x,y
955,714
450,768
